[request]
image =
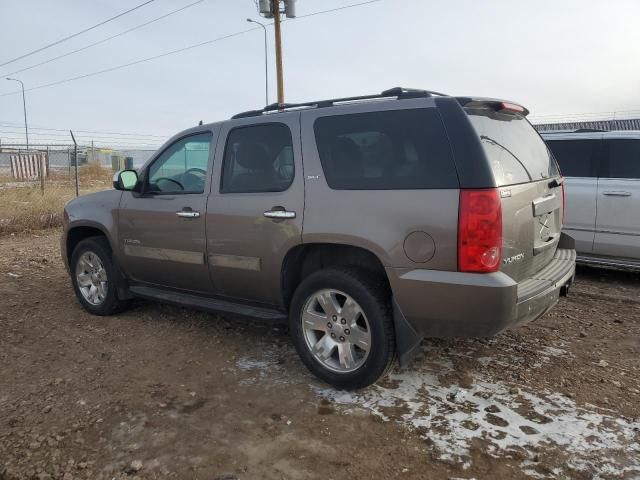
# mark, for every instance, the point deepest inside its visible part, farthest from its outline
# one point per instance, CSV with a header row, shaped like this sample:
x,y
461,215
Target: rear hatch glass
x,y
528,179
515,151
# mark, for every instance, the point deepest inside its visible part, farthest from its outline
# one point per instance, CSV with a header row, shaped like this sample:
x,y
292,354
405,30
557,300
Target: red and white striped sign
x,y
28,166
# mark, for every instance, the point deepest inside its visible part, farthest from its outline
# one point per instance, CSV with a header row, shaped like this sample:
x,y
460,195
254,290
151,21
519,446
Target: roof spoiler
x,y
496,105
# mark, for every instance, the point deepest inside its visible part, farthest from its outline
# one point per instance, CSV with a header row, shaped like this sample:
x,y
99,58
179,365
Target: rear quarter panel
x,y
376,220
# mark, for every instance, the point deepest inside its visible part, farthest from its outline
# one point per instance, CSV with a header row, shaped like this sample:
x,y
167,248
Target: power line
x,y
84,135
76,34
136,62
344,7
39,138
11,124
105,39
10,141
179,50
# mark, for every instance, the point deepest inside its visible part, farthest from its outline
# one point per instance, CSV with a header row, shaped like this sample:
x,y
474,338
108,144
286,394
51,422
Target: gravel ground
x,y
164,392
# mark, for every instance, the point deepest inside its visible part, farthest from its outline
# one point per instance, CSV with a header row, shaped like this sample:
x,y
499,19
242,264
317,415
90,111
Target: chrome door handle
x,y
617,194
279,214
188,214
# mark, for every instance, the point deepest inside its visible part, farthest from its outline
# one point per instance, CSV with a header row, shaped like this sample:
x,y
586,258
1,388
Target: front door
x,y
162,230
254,212
618,219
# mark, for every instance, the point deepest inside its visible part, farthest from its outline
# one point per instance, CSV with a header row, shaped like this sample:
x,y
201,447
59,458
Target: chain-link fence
x,y
37,182
60,160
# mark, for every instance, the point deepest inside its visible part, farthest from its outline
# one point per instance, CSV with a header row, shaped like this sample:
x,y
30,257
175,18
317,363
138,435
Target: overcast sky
x,y
553,56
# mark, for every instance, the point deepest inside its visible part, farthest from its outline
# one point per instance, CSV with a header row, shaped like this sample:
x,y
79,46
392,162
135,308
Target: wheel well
x,y
77,234
303,260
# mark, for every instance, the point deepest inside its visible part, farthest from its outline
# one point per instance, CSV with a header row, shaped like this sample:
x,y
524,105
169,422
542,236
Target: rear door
x,y
618,219
529,185
256,207
578,161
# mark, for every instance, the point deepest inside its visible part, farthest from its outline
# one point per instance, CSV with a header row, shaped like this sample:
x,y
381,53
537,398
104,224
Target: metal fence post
x,y
75,160
41,168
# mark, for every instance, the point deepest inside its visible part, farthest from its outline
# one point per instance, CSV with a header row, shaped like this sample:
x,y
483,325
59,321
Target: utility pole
x,y
271,9
275,5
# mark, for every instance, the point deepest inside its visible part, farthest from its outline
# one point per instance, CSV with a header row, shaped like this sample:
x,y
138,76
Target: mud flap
x,y
566,242
407,339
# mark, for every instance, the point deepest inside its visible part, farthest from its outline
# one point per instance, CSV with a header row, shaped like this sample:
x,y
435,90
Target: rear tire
x,y
95,277
342,327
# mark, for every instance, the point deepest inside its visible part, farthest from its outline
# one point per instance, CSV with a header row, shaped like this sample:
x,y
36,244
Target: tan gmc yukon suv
x,y
368,222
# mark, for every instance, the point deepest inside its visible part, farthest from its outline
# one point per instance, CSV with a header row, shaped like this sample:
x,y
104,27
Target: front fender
x,y
97,211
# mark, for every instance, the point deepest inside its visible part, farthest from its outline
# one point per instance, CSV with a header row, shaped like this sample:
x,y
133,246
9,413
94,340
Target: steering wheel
x,y
196,170
169,180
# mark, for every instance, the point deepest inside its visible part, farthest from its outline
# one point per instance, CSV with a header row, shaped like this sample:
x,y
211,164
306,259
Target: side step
x,y
208,304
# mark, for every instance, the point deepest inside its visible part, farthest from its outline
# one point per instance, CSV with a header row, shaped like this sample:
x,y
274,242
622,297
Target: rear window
x,y
515,151
575,157
397,149
624,159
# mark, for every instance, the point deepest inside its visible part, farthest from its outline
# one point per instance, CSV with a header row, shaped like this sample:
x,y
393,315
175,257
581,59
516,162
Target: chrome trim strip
x,y
235,261
546,204
180,256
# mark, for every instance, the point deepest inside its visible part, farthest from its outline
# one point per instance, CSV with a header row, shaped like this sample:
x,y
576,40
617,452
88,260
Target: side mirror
x,y
125,180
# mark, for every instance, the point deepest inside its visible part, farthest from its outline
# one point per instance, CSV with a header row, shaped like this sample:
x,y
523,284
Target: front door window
x,y
181,168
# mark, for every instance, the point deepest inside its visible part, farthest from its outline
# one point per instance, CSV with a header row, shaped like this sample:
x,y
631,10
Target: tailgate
x,y
531,224
529,183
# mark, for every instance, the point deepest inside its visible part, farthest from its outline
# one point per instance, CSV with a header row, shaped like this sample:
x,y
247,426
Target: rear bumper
x,y
454,304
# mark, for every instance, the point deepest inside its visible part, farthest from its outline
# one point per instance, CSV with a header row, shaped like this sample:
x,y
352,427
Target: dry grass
x,y
23,207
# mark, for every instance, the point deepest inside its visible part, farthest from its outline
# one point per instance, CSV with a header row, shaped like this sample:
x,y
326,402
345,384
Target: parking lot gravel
x,y
166,392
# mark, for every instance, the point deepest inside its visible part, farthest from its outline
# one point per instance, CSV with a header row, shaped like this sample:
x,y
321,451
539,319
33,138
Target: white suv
x,y
602,171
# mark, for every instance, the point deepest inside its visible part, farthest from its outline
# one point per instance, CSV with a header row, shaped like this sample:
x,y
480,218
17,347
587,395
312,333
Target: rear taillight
x,y
479,231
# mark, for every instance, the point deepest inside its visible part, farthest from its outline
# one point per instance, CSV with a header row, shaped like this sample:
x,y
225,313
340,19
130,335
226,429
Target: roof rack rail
x,y
396,92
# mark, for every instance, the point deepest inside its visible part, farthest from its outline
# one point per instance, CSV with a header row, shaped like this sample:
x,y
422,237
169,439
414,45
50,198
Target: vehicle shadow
x,y
611,276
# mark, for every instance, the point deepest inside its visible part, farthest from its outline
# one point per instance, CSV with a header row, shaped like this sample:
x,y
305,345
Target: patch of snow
x,y
453,417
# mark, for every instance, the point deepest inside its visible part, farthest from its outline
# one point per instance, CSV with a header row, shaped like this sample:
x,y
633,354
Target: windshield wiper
x,y
495,142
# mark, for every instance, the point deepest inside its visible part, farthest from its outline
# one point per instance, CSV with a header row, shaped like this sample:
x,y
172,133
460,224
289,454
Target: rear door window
x,y
384,150
515,151
575,157
624,159
258,158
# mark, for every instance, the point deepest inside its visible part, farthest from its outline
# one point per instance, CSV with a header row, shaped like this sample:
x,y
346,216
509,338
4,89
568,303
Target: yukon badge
x,y
514,258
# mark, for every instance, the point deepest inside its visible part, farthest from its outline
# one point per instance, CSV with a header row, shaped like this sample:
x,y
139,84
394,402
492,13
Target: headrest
x,y
253,156
346,156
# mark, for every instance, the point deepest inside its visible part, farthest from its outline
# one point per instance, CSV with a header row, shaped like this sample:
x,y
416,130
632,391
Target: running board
x,y
608,262
208,304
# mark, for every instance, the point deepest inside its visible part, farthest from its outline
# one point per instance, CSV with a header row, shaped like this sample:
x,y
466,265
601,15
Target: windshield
x,y
515,151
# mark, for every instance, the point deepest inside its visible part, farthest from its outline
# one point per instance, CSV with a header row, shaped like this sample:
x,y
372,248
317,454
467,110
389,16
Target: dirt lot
x,y
163,392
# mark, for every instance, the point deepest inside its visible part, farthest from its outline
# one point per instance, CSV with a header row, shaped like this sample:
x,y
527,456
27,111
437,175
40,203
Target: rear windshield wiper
x,y
556,182
491,140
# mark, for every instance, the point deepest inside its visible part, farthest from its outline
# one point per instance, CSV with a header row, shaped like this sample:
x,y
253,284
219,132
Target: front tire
x,y
94,277
342,327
